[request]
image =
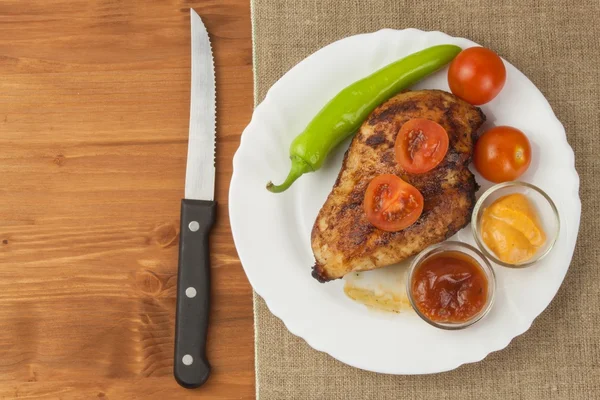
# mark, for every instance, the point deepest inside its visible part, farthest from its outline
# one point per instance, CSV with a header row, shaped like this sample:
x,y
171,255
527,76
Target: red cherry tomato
x,y
502,154
476,75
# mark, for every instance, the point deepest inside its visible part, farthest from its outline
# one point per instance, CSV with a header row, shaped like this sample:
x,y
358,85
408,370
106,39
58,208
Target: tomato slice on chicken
x,y
392,204
421,145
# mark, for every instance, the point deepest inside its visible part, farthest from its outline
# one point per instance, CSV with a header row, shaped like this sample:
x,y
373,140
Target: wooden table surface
x,y
94,108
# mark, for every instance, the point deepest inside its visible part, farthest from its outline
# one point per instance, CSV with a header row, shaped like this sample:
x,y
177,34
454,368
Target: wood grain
x,y
94,108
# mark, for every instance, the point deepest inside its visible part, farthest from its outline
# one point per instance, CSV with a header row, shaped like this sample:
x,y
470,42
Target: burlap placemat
x,y
557,45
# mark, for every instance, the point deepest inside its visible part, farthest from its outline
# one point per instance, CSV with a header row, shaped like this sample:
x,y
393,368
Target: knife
x,y
191,368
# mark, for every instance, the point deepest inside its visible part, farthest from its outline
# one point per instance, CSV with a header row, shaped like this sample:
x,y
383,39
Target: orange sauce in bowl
x,y
449,287
511,228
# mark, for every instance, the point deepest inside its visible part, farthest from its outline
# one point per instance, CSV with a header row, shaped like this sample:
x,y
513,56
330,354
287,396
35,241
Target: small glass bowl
x,y
545,207
459,247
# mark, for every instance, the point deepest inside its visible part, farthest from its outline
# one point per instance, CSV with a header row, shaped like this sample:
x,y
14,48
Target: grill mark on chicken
x,y
342,238
375,140
388,114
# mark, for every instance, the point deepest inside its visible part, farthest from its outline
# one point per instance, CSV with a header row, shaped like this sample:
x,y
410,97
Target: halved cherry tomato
x,y
476,75
421,145
392,204
502,154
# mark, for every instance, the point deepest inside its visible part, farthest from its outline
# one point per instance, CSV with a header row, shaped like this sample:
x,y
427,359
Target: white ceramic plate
x,y
272,231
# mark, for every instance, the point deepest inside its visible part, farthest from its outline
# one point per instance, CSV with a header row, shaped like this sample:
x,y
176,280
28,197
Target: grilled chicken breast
x,y
343,240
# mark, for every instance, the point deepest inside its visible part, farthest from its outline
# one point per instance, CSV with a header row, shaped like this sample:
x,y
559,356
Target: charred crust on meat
x,y
436,102
429,191
383,239
455,126
357,195
339,177
453,157
375,140
388,114
471,190
348,207
359,233
476,121
388,157
317,273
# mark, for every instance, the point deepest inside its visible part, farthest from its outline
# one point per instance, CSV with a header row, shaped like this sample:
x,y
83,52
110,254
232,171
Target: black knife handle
x,y
191,368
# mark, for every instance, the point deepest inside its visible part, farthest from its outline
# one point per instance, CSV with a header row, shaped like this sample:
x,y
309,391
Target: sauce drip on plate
x,y
449,287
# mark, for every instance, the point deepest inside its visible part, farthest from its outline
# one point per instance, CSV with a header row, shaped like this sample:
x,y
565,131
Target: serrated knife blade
x,y
190,366
200,170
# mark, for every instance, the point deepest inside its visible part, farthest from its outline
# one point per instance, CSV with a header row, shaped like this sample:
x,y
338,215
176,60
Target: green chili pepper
x,y
344,114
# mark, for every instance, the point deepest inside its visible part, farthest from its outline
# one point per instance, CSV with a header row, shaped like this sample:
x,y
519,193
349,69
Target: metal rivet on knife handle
x,y
190,292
